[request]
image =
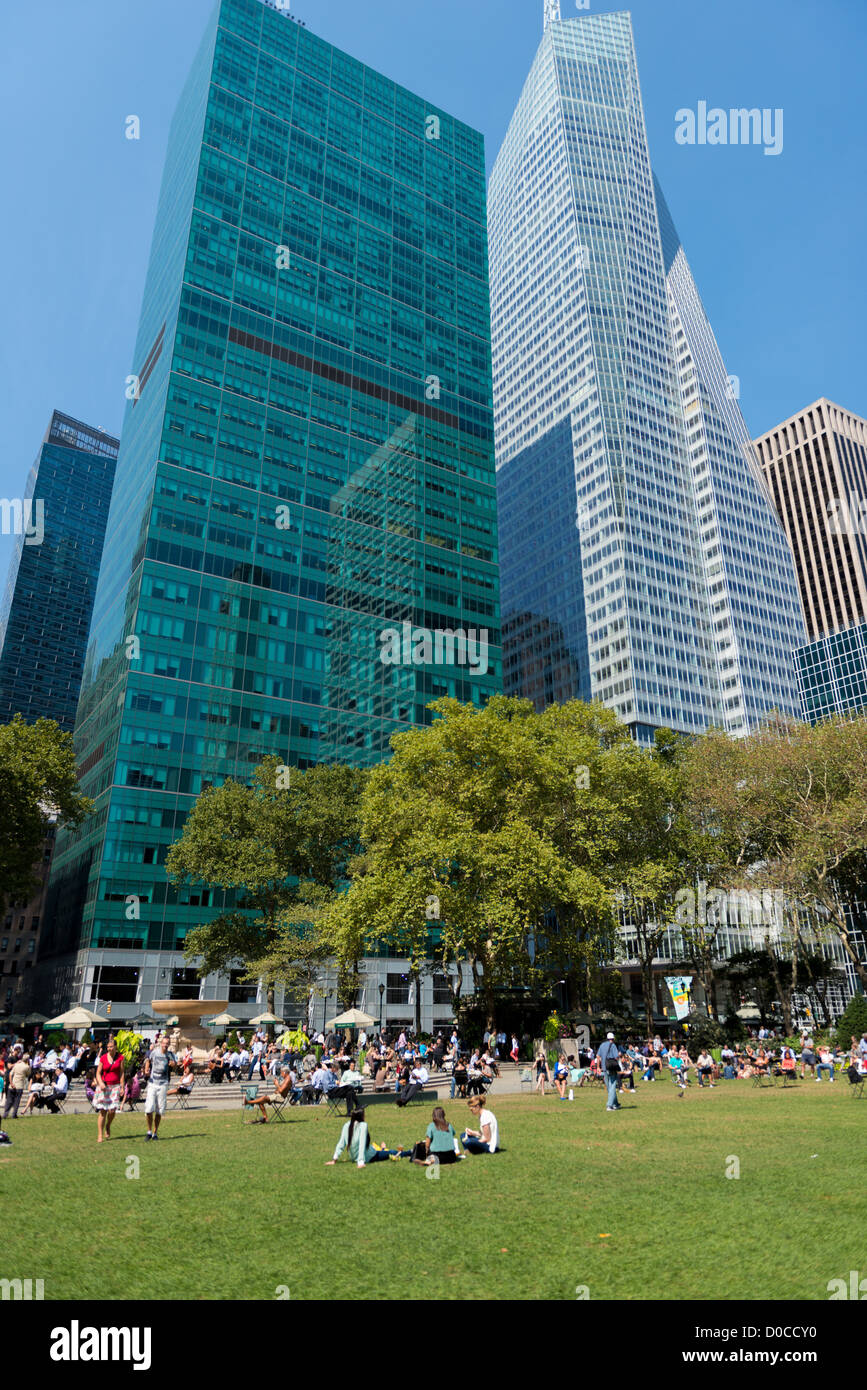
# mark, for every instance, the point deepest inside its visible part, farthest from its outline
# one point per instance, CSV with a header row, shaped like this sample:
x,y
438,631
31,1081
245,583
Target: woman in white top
x,y
485,1139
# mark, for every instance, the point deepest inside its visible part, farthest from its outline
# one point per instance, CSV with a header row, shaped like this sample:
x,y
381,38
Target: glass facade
x,y
832,674
45,617
648,596
307,463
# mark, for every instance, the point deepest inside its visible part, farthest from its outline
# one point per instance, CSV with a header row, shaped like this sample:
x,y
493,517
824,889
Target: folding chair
x,y
856,1084
279,1105
336,1104
182,1100
763,1078
248,1093
527,1078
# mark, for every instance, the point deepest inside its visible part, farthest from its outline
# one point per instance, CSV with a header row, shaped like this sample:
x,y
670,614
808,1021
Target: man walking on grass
x,y
158,1069
609,1060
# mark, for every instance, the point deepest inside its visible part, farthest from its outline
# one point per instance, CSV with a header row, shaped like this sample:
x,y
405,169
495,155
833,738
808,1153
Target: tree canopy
x,y
38,785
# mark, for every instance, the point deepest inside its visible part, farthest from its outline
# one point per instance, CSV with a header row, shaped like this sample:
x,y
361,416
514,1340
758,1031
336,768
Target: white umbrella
x,y
266,1018
222,1021
749,1011
78,1017
353,1018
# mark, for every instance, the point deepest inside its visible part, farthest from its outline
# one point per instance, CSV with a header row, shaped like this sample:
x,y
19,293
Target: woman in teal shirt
x,y
355,1137
441,1142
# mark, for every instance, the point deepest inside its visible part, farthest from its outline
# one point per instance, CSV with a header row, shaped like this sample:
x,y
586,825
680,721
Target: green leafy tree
x,y
281,850
787,810
38,784
852,1023
479,844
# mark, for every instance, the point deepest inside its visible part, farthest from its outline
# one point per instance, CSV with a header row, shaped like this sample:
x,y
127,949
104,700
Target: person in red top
x,y
107,1095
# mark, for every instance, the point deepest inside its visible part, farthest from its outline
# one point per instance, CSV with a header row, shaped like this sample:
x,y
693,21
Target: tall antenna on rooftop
x,y
552,11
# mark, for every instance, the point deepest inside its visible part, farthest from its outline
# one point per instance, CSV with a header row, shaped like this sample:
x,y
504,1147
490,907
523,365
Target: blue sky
x,y
777,244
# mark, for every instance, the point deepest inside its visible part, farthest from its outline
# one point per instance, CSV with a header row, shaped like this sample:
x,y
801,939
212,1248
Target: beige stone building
x,y
815,464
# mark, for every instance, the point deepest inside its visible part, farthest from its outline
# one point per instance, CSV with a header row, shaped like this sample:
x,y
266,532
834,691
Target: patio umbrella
x,y
221,1021
142,1021
77,1017
35,1018
353,1018
265,1018
749,1011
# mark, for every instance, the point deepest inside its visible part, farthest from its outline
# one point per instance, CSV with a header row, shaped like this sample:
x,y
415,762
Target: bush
x,y
852,1021
704,1032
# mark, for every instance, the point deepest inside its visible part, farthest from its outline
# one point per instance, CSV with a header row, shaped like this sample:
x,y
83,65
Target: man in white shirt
x,y
257,1052
485,1139
417,1077
350,1086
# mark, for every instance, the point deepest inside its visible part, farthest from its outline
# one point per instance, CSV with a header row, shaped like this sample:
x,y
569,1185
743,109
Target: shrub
x,y
852,1021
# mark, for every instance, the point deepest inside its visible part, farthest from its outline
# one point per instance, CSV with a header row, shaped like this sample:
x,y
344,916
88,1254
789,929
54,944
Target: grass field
x,y
635,1204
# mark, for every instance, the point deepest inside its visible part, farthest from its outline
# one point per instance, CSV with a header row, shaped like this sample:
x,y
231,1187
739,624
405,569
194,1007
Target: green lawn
x,y
633,1205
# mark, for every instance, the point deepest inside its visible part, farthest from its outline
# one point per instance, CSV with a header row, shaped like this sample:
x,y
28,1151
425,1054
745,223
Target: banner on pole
x,y
679,987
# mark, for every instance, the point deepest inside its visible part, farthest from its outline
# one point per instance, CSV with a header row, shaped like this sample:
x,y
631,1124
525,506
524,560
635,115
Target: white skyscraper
x,y
642,563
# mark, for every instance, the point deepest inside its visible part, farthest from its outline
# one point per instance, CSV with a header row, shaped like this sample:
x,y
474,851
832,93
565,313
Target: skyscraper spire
x,y
552,11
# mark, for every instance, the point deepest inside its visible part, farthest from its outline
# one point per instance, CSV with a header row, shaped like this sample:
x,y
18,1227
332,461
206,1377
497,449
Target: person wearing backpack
x,y
609,1059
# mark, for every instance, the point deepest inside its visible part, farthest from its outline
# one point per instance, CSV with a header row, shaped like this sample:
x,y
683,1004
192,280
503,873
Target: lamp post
x,y
381,993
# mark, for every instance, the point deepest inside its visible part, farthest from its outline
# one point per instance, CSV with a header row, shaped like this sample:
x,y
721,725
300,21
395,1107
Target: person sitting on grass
x,y
282,1089
486,1139
440,1142
355,1140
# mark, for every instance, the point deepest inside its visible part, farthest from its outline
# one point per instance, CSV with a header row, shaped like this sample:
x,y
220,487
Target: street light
x,y
381,993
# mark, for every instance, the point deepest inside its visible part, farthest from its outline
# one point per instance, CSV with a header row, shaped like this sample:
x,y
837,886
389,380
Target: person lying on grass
x,y
280,1092
356,1141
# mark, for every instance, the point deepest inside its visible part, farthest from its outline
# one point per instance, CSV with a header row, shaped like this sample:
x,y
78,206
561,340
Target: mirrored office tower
x,y
306,462
641,562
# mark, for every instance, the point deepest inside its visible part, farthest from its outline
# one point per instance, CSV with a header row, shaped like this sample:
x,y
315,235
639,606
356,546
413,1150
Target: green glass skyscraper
x,y
306,470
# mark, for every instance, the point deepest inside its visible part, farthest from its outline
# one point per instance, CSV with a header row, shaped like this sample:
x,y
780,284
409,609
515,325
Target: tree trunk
x,y
269,997
785,996
487,993
647,989
415,976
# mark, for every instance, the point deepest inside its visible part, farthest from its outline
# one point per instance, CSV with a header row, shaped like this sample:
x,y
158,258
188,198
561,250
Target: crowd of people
x,y
339,1068
617,1066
